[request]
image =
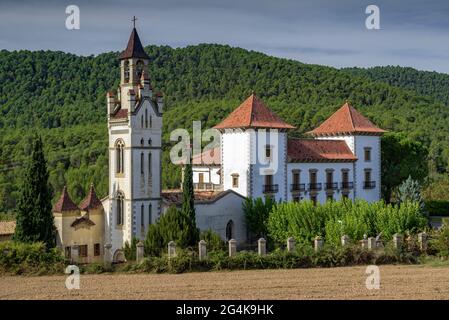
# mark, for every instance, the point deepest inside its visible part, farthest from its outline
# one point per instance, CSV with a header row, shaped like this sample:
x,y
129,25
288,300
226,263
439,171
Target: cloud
x,y
329,32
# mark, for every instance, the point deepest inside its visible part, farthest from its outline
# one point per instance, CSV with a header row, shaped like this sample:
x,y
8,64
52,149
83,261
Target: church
x,y
255,157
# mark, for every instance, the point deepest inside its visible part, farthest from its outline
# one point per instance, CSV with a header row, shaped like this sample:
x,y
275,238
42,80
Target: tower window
x,y
150,207
151,121
141,163
149,163
268,152
367,154
139,69
120,208
119,155
141,121
126,71
146,118
149,142
235,180
142,215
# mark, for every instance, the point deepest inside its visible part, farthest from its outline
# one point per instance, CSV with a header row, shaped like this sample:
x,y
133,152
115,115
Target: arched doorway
x,y
230,230
119,256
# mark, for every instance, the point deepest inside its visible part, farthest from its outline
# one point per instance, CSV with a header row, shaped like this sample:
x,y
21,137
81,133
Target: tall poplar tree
x,y
34,213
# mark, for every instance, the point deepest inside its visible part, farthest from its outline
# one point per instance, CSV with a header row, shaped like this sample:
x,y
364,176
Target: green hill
x,y
62,96
432,84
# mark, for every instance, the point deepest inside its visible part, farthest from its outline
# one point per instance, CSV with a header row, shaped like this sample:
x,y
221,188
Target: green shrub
x,y
213,240
130,250
440,241
437,207
331,220
19,258
256,215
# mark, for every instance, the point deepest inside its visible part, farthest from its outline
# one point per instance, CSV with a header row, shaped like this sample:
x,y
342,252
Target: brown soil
x,y
397,282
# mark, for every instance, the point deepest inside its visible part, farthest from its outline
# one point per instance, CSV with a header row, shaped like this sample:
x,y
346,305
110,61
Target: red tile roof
x,y
120,114
314,150
253,113
91,201
346,120
209,157
134,49
81,220
64,203
174,196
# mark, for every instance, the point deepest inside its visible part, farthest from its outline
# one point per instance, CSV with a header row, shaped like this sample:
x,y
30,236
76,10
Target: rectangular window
x,y
201,179
296,178
68,252
367,175
235,180
329,177
150,214
149,163
269,180
345,177
268,152
313,177
97,249
142,215
83,251
367,154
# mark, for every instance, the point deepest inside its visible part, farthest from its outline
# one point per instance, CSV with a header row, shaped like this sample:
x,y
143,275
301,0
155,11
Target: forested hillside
x,y
425,83
62,96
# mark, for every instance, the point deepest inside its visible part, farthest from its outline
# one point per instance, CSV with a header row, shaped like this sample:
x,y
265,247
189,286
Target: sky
x,y
412,33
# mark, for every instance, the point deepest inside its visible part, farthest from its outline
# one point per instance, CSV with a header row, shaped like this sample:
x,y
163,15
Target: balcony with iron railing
x,y
297,187
315,186
369,184
270,188
331,185
347,185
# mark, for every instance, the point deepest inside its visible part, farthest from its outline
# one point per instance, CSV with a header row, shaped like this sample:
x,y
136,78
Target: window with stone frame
x,y
119,154
120,208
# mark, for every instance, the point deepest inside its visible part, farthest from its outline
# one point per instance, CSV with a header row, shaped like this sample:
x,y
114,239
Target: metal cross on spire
x,y
134,21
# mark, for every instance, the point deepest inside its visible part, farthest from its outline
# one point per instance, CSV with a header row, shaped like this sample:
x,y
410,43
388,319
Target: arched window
x,y
120,205
146,118
141,163
126,71
142,215
151,121
149,142
139,69
230,230
119,156
150,208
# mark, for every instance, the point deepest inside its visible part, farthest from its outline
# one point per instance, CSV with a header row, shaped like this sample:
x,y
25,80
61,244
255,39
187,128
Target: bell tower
x,y
135,139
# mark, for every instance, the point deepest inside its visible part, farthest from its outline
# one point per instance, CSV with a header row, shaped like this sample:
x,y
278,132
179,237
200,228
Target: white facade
x,y
135,131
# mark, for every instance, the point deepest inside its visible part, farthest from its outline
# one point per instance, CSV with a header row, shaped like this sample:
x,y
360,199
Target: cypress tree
x,y
34,215
188,205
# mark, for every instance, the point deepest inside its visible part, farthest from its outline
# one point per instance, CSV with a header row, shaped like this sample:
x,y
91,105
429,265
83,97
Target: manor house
x,y
254,158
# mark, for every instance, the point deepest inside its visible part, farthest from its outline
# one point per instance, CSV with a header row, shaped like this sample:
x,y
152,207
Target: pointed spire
x,y
91,201
134,49
346,120
64,203
253,113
